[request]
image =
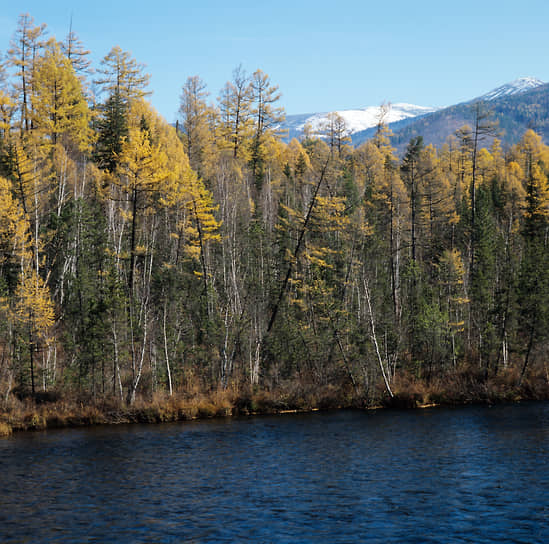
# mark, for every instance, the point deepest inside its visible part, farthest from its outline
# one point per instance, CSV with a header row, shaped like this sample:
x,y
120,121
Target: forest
x,y
145,264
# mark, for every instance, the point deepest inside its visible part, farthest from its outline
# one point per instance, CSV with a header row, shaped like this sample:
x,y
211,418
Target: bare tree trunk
x,y
136,380
116,369
168,371
527,357
374,339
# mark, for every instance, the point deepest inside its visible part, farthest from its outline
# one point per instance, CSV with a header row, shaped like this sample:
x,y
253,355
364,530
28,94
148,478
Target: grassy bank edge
x,y
409,393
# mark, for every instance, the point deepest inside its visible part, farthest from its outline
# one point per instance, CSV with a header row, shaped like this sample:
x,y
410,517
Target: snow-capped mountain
x,y
518,86
355,120
360,122
516,107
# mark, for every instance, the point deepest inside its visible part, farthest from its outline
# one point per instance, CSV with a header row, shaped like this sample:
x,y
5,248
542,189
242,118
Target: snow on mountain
x,y
355,120
520,85
363,119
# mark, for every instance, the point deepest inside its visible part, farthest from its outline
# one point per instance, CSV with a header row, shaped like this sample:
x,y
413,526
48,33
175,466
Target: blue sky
x,y
323,55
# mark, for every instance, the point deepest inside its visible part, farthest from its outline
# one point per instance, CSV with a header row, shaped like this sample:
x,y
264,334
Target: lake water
x,y
474,474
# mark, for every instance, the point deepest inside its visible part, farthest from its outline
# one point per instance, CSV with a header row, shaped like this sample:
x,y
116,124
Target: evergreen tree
x,y
112,130
534,273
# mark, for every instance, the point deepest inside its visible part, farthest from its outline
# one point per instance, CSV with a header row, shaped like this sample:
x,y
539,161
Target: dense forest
x,y
143,261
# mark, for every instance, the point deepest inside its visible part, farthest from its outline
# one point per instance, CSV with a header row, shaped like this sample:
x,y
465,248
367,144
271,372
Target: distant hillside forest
x,y
139,259
514,114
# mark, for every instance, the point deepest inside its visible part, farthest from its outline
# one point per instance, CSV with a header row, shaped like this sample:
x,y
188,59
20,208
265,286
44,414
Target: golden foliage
x,y
34,307
59,107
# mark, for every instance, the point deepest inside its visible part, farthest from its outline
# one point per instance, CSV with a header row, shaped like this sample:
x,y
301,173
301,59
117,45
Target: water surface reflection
x,y
474,474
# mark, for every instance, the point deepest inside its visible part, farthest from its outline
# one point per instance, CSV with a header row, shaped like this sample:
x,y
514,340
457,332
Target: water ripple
x,y
463,475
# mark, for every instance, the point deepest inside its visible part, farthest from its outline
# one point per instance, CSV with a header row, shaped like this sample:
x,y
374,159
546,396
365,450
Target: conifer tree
x,y
112,130
123,76
25,45
534,273
59,108
336,132
267,117
193,111
413,177
77,54
35,315
235,104
483,127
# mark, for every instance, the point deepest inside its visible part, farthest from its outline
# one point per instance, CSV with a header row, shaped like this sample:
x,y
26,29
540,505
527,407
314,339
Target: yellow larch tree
x,y
60,112
35,314
141,170
34,310
451,275
122,75
185,193
236,123
25,45
438,213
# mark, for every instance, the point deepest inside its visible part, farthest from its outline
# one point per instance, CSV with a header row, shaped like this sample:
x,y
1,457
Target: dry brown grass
x,y
191,405
5,429
461,386
467,385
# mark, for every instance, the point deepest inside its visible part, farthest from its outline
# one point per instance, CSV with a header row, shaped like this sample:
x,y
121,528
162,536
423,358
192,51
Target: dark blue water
x,y
439,475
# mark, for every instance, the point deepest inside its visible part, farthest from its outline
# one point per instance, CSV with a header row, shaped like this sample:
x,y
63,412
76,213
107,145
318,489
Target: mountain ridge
x,y
518,105
517,86
356,120
514,114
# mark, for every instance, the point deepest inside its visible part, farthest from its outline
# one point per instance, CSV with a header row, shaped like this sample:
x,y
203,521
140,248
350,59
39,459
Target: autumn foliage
x,y
140,260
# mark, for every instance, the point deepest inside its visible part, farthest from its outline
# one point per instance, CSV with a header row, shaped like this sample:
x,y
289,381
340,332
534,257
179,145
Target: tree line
x,y
137,257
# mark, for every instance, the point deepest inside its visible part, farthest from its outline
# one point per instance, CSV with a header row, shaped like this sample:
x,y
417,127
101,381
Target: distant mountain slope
x,y
516,110
519,86
355,120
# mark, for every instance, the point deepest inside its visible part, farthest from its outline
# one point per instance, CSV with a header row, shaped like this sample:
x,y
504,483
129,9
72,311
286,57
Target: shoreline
x,y
32,416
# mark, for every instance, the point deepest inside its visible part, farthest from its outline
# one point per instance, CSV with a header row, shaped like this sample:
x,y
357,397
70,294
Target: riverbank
x,y
459,388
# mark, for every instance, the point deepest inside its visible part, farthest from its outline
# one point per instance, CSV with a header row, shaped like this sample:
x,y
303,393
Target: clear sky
x,y
324,55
